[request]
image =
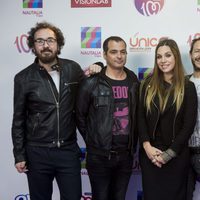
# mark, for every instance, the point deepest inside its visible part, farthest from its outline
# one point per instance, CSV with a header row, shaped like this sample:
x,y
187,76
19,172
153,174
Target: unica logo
x,y
149,7
143,44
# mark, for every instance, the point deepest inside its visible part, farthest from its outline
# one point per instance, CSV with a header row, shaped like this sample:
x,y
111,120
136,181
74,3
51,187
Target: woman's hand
x,y
153,153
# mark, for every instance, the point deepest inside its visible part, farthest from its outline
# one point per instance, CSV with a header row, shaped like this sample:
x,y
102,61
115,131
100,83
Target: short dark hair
x,y
45,25
192,44
114,38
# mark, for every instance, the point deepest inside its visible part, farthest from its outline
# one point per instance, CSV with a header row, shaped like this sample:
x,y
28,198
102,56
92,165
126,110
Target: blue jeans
x,y
45,164
109,177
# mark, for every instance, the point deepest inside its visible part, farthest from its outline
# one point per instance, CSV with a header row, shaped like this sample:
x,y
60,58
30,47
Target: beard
x,y
46,56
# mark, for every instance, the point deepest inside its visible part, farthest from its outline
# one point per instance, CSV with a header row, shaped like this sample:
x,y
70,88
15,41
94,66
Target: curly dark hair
x,y
193,42
45,25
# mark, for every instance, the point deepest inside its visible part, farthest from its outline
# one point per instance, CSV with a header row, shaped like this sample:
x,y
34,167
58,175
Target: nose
x,y
45,43
119,54
163,59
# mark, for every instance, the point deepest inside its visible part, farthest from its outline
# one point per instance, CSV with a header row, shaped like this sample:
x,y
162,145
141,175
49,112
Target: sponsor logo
x,y
143,72
22,197
90,3
83,161
198,6
192,37
91,39
28,5
32,3
149,7
143,44
86,196
21,44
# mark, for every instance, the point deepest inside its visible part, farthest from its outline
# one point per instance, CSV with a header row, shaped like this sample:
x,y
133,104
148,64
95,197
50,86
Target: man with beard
x,y
194,142
43,128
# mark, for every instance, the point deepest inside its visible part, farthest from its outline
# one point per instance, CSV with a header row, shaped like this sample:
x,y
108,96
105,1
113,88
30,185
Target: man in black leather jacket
x,y
43,129
106,118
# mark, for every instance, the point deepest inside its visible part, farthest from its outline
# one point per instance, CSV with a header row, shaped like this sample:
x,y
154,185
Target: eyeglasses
x,y
41,42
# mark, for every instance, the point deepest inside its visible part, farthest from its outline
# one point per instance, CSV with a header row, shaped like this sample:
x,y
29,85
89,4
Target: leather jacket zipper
x,y
57,111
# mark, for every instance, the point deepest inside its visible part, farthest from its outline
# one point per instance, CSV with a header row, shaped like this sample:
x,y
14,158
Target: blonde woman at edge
x,y
167,115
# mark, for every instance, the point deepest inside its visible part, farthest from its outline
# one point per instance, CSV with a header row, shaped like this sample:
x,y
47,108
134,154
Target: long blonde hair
x,y
156,82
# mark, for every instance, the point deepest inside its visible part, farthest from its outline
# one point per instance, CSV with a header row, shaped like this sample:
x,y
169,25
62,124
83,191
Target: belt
x,y
108,154
195,150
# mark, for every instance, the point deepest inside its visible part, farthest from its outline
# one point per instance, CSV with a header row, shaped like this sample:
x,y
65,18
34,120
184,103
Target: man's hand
x,y
93,69
21,167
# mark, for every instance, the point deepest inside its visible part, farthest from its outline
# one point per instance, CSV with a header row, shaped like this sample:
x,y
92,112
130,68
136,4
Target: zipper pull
x,y
58,144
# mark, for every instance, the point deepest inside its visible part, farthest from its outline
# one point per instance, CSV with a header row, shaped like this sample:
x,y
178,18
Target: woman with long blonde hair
x,y
167,115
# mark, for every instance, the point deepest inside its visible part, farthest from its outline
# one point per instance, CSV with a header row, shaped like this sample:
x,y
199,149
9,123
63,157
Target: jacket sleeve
x,y
188,119
82,106
18,123
142,125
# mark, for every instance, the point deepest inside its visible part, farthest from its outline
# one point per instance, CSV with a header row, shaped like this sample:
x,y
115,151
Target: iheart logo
x,y
149,7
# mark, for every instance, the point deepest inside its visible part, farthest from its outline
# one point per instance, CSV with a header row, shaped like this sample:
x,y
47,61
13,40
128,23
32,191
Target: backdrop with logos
x,y
85,24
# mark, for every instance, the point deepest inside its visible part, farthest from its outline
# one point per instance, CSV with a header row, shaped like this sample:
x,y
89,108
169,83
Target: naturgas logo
x,y
149,7
32,7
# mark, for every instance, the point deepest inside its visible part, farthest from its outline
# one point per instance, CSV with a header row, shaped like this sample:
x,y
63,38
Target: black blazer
x,y
179,125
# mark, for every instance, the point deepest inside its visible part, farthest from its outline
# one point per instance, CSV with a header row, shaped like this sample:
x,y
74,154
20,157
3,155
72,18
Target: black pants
x,y
45,164
194,174
109,177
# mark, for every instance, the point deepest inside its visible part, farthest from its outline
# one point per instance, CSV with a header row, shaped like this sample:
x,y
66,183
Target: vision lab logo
x,y
90,3
32,7
143,72
149,7
91,39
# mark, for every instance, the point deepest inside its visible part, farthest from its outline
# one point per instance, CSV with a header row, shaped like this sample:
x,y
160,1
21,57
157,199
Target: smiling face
x,y
48,51
195,56
165,60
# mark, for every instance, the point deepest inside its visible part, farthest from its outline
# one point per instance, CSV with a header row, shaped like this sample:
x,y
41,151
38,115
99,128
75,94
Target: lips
x,y
47,51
